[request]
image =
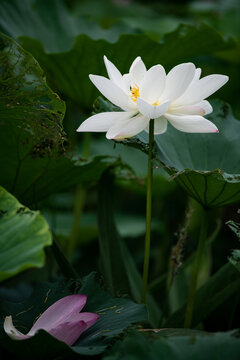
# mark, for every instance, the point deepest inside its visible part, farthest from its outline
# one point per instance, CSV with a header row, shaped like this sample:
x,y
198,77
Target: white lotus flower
x,y
142,94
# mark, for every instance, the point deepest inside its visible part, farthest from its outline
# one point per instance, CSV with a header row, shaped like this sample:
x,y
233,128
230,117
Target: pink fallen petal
x,y
62,320
59,312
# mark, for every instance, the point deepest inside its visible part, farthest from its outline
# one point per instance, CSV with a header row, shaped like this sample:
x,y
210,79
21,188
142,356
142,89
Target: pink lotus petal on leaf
x,y
62,320
59,312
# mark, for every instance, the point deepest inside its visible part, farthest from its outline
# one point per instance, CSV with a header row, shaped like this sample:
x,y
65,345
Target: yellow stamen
x,y
135,93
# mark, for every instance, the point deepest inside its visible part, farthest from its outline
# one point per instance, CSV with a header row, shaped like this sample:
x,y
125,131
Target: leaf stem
x,y
64,265
148,214
196,267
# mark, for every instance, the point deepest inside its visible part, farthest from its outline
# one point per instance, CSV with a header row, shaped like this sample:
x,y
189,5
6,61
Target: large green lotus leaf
x,y
116,315
68,50
23,235
30,114
207,166
33,158
39,177
188,345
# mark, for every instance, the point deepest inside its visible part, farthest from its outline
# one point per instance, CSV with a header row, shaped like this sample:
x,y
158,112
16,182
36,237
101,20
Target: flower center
x,y
134,93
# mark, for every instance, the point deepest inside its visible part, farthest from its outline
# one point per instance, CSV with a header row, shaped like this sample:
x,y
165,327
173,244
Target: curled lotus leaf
x,y
206,165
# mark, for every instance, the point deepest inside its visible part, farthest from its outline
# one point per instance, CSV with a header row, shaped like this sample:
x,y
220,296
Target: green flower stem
x,y
148,214
80,196
196,267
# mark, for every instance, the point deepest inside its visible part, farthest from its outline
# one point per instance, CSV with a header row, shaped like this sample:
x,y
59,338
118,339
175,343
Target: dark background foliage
x,y
91,191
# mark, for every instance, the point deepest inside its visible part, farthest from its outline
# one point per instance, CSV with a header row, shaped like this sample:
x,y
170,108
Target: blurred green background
x,y
68,39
